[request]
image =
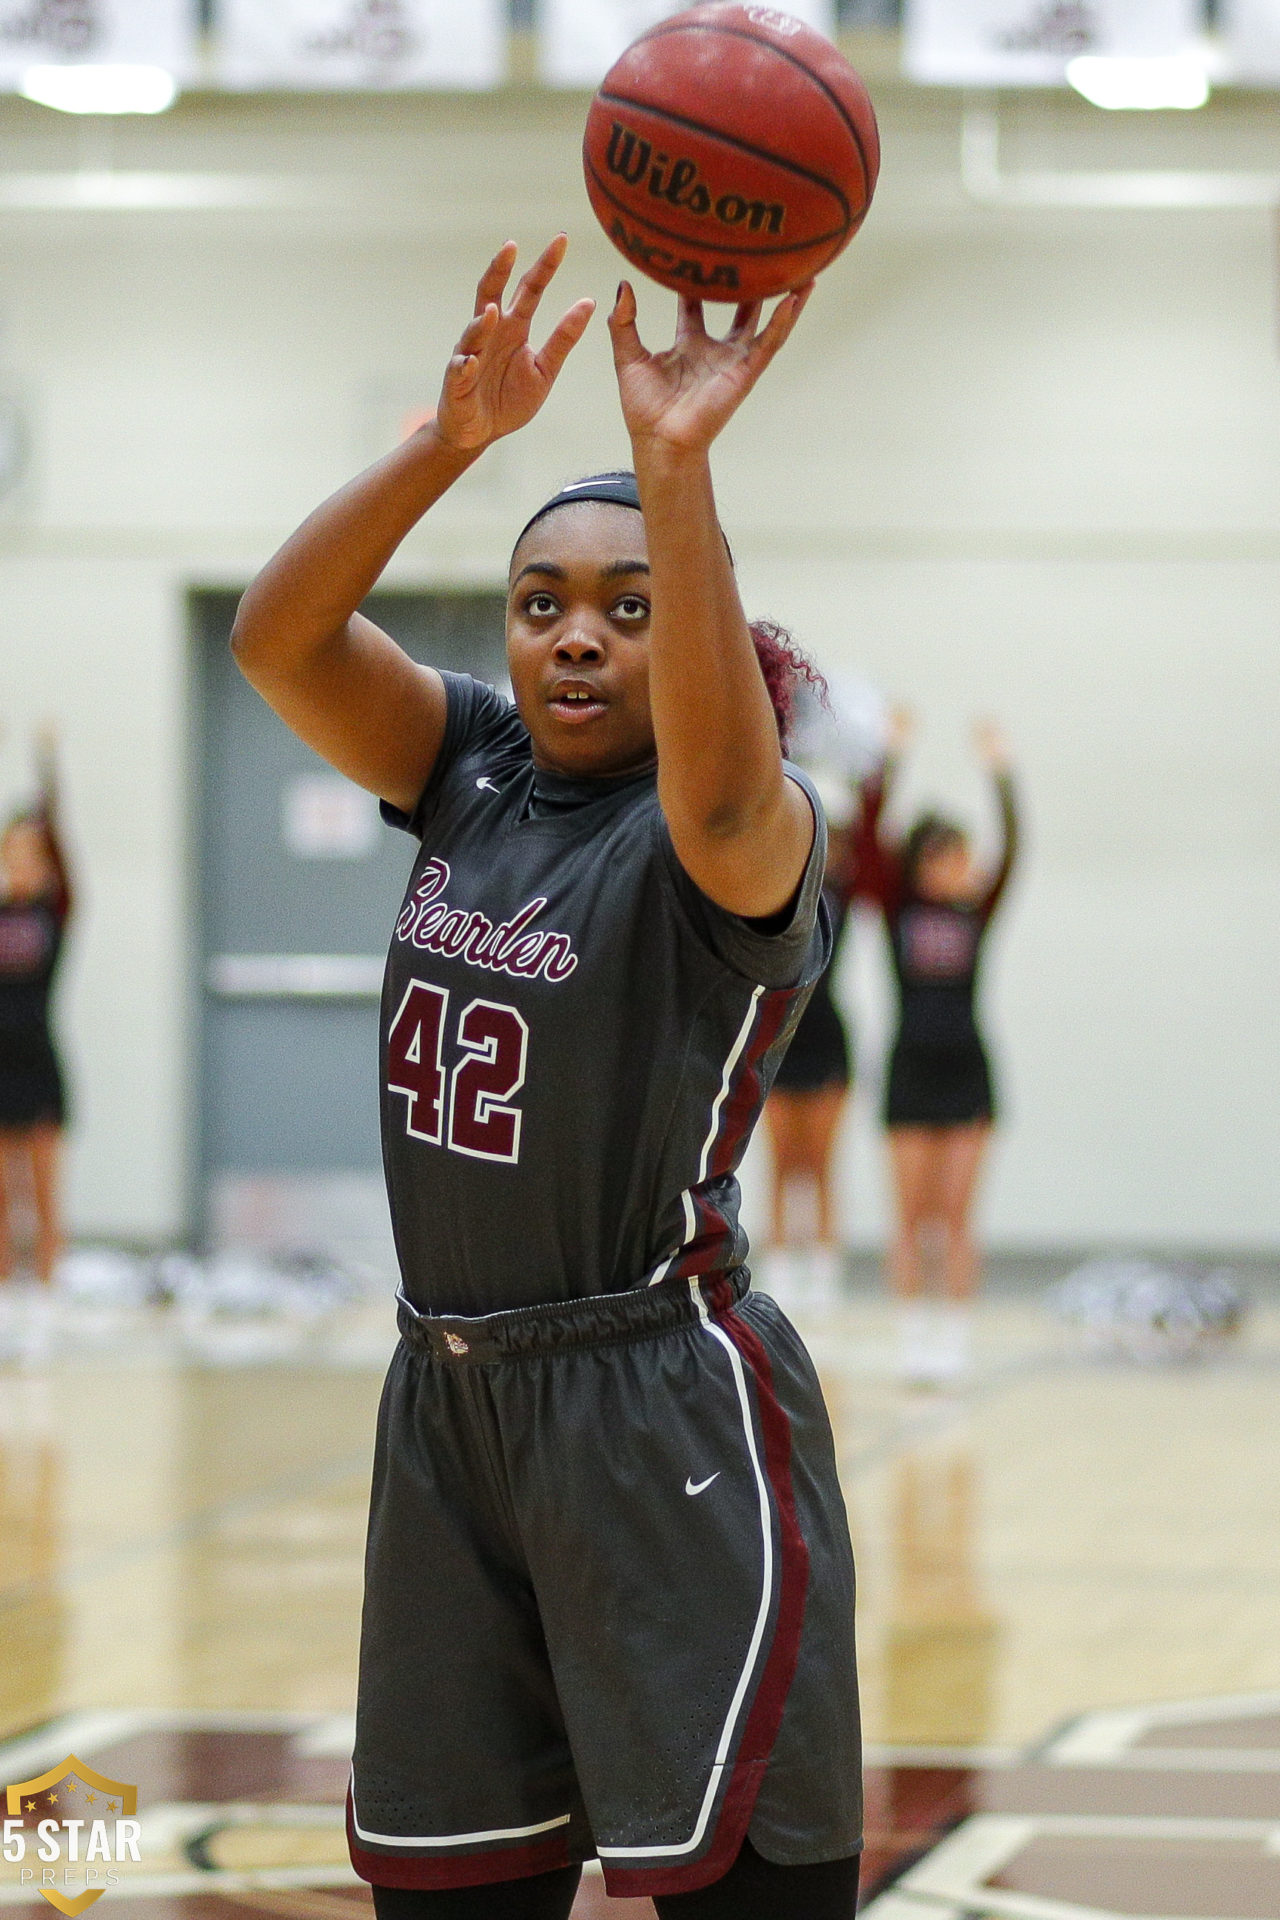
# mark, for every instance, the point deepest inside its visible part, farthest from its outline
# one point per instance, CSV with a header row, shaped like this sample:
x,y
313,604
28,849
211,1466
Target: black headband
x,y
612,489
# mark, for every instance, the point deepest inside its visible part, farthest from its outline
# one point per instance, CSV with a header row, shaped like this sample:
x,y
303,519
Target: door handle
x,y
295,976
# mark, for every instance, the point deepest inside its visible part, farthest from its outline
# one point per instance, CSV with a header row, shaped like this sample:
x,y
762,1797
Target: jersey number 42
x,y
468,1108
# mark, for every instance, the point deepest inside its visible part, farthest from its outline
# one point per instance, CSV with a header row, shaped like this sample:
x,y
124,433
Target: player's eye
x,y
632,608
542,606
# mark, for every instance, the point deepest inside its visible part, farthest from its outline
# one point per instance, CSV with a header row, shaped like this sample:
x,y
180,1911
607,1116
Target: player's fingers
x,y
461,374
781,322
493,280
479,331
690,323
746,319
536,281
565,338
627,345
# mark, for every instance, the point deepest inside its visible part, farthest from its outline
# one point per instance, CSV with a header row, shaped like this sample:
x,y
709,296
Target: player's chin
x,y
595,743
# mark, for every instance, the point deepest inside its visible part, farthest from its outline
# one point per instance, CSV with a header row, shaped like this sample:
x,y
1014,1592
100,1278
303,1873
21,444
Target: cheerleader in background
x,y
810,1095
938,903
35,905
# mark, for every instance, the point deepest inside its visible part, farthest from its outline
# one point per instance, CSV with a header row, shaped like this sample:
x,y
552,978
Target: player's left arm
x,y
993,749
49,816
741,830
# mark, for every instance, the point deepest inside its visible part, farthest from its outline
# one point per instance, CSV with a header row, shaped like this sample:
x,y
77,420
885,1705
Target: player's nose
x,y
578,647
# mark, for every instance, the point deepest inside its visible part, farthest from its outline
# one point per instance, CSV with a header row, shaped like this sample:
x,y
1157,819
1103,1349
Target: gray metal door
x,y
299,884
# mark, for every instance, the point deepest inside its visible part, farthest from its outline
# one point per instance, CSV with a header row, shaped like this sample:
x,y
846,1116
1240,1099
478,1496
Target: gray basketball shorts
x,y
608,1598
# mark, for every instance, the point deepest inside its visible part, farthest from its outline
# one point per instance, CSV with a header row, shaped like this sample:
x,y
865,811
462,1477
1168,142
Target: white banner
x,y
1027,43
579,40
1251,30
130,33
364,44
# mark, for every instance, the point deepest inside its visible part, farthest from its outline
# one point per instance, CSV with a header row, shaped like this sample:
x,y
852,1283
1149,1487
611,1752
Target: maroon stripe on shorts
x,y
765,1715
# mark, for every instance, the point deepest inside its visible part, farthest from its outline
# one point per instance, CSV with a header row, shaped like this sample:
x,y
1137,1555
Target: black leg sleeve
x,y
754,1889
544,1896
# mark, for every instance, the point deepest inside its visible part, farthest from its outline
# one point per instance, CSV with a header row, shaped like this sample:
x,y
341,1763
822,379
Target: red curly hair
x,y
784,666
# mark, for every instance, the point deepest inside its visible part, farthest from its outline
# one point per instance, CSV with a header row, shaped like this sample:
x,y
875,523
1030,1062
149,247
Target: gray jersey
x,y
576,1042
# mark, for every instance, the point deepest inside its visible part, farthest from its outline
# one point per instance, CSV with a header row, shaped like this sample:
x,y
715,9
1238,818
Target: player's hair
x,y
785,667
931,833
783,664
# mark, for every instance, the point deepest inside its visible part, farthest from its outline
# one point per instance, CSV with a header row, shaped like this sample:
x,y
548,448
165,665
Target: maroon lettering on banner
x,y
428,922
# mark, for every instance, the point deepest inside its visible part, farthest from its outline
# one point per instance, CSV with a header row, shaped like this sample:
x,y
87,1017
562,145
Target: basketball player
x,y
609,1587
35,905
811,1089
938,905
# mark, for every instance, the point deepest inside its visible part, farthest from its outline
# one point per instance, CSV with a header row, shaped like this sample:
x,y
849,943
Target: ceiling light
x,y
100,89
1179,81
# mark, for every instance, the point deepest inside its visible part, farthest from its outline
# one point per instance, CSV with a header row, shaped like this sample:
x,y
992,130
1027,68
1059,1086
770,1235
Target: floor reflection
x,y
183,1534
941,1637
33,1614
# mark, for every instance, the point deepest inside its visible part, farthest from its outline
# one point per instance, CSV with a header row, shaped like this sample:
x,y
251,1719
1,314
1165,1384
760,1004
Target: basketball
x,y
731,153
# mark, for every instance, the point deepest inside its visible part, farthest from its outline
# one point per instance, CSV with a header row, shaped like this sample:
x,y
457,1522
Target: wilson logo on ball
x,y
632,159
731,152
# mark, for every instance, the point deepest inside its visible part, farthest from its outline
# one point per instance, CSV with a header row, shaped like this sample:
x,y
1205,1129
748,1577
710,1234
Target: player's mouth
x,y
576,701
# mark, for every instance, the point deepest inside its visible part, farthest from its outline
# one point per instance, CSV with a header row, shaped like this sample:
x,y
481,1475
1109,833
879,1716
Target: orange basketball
x,y
731,152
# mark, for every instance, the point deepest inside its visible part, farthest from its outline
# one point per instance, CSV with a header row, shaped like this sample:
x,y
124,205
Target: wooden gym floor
x,y
1069,1615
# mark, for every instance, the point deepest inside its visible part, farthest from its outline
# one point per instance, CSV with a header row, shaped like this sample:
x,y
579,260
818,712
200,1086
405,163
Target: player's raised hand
x,y
993,747
685,395
495,382
901,730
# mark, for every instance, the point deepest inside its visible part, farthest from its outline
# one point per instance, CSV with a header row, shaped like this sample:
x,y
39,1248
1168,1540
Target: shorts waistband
x,y
556,1325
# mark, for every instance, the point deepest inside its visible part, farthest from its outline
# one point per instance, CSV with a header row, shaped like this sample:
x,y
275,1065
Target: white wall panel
x,y
579,40
1009,43
1251,33
360,43
1024,462
159,33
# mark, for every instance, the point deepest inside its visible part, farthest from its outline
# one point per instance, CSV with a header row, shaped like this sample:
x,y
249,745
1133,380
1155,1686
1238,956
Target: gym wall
x,y
1023,461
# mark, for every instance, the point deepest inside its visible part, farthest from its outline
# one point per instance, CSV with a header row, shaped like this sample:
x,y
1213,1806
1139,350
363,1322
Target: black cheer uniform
x,y
31,936
609,1587
939,1072
821,1055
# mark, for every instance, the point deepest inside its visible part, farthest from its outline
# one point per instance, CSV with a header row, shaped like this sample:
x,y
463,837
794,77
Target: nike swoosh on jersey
x,y
702,1484
485,781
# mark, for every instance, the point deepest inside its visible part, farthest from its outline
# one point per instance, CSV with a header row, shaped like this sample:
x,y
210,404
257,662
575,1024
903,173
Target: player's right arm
x,y
339,681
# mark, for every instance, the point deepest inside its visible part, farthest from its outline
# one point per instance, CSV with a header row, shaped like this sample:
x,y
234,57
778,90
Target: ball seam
x,y
665,27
